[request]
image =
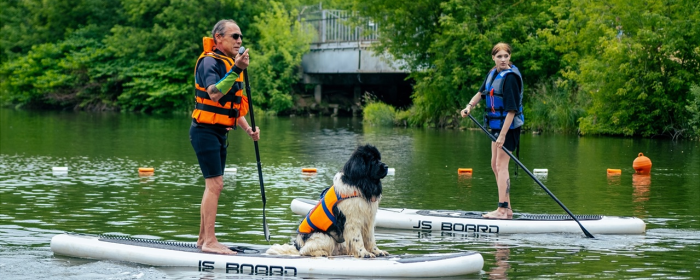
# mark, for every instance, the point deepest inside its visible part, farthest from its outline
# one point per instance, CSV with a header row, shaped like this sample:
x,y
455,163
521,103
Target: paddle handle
x,y
493,138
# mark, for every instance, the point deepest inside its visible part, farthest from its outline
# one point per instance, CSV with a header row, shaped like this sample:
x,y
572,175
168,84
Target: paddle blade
x,y
265,228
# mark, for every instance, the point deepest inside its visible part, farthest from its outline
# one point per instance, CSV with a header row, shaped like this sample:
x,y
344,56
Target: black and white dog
x,y
353,201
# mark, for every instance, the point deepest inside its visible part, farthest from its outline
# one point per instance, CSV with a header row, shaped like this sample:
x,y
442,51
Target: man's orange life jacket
x,y
230,107
321,217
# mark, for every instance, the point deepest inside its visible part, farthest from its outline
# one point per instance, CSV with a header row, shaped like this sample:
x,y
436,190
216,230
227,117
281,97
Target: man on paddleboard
x,y
219,107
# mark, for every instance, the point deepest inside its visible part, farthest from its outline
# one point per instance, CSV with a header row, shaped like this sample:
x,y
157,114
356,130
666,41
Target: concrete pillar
x,y
317,93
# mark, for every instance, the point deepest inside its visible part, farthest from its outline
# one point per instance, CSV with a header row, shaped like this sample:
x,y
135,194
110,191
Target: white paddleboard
x,y
255,262
473,222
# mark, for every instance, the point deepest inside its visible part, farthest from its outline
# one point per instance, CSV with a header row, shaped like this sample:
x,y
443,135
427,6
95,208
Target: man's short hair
x,y
219,27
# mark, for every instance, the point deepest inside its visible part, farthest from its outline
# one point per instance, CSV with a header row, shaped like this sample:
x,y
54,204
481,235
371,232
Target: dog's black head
x,y
364,170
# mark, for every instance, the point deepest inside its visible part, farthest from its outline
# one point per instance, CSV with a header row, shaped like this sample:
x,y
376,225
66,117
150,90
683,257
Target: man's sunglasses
x,y
235,36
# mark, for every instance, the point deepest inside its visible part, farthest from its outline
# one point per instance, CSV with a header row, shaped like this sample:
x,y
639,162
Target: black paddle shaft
x,y
257,152
493,138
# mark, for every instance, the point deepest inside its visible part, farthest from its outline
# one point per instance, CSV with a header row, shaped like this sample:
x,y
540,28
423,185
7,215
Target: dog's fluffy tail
x,y
284,249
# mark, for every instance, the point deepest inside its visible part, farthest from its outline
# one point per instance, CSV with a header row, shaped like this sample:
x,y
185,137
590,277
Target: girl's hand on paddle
x,y
501,139
255,135
466,111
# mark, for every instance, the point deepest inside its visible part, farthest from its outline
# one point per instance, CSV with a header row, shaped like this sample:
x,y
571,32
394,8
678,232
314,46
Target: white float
x,y
230,170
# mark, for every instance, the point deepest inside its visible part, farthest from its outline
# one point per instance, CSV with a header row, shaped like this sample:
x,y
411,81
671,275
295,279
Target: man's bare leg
x,y
210,201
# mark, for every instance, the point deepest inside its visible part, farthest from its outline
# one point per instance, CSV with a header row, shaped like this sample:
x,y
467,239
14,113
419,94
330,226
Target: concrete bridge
x,y
341,64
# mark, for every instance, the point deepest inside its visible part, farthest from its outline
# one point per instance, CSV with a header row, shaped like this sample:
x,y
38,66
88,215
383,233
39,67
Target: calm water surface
x,y
103,194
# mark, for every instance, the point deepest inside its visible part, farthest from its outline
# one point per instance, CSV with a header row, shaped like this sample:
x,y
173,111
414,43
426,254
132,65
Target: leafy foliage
x,y
447,46
58,75
693,109
282,43
554,107
378,113
135,55
621,66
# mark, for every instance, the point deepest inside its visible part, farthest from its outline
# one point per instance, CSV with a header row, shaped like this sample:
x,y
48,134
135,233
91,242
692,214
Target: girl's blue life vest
x,y
495,112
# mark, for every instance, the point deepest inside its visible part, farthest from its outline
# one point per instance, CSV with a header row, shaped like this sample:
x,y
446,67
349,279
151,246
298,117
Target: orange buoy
x,y
642,164
146,171
614,171
308,170
464,170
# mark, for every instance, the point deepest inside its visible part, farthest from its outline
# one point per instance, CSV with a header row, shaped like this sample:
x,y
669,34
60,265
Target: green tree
x,y
283,41
27,23
447,46
693,108
636,59
59,75
134,55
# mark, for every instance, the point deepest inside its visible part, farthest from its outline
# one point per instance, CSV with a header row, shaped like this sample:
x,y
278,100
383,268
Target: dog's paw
x,y
362,253
314,253
379,253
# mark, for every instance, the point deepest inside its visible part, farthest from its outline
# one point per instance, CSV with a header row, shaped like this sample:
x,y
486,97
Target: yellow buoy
x,y
642,164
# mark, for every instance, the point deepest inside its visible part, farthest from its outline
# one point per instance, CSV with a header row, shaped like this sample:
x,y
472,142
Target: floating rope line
x,y
478,215
557,217
148,241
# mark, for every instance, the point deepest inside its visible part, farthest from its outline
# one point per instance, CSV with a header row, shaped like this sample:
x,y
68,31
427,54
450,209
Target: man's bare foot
x,y
500,213
217,248
199,244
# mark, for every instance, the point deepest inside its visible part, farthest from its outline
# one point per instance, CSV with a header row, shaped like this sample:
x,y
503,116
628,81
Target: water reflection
x,y
500,271
614,179
640,195
308,176
465,179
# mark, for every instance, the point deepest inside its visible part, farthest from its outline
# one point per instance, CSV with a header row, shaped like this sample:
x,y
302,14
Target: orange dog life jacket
x,y
227,110
321,217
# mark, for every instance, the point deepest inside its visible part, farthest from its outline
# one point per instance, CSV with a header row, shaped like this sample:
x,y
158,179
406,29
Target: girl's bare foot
x,y
500,213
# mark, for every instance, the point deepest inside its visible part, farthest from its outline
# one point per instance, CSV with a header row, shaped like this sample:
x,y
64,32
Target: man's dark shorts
x,y
209,144
512,138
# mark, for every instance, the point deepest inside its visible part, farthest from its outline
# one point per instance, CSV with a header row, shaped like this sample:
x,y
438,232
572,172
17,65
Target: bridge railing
x,y
340,26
